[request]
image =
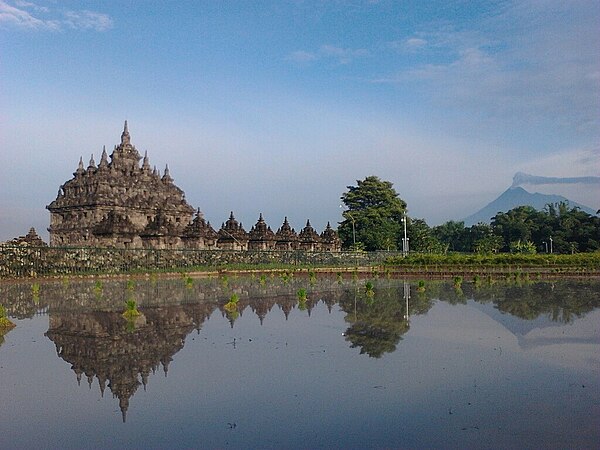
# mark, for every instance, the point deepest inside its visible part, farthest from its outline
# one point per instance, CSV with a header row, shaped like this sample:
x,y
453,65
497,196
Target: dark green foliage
x,y
376,212
301,294
523,230
422,239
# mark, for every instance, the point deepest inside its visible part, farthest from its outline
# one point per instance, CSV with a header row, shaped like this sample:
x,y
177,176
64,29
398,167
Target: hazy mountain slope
x,y
517,196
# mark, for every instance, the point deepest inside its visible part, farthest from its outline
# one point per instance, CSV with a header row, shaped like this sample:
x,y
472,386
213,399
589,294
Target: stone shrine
x,y
120,203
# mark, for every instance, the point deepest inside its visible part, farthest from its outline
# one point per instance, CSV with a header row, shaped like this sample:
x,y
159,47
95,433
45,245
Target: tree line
x,y
374,215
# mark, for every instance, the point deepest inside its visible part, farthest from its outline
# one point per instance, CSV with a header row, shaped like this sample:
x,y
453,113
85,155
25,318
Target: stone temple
x,y
120,203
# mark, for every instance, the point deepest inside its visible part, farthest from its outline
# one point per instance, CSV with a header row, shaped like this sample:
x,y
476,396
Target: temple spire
x,y
167,176
146,163
125,138
80,169
103,158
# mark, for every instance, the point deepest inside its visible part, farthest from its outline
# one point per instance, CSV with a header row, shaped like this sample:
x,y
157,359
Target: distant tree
x,y
422,238
526,247
571,229
518,224
454,235
483,240
376,211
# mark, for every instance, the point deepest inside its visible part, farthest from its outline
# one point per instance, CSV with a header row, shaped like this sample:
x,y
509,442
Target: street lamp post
x,y
546,246
405,239
353,228
551,244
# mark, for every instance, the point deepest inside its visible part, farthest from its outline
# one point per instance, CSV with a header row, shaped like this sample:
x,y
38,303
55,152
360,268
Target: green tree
x,y
454,235
375,211
422,238
482,239
518,224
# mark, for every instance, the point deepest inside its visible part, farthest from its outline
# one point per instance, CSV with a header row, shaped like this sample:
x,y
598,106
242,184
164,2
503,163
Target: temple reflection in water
x,y
89,332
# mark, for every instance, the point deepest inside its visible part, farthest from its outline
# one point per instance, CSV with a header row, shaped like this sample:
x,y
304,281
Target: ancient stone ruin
x,y
120,203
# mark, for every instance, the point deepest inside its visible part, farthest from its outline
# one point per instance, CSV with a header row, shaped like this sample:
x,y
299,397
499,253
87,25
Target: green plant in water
x,y
339,277
263,279
301,294
232,304
224,280
131,311
5,322
421,286
98,287
457,281
312,276
189,282
130,285
286,277
369,289
355,276
35,289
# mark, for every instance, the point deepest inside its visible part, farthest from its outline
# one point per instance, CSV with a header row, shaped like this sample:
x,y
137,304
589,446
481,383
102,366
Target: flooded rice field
x,y
293,361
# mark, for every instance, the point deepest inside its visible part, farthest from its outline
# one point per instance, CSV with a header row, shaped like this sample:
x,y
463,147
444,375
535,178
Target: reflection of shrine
x,y
103,345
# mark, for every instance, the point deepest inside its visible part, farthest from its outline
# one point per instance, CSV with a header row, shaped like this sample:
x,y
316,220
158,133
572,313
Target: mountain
x,y
517,196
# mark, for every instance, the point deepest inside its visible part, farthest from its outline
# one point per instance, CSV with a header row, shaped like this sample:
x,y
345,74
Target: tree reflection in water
x,y
90,334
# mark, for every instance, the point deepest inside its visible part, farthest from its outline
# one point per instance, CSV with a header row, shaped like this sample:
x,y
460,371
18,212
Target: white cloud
x,y
343,55
532,66
328,52
88,20
23,19
27,15
301,56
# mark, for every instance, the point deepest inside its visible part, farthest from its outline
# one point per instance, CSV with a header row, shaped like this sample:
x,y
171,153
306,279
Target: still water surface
x,y
493,366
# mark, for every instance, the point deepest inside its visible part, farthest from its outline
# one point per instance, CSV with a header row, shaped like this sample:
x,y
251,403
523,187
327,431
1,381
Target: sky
x,y
278,106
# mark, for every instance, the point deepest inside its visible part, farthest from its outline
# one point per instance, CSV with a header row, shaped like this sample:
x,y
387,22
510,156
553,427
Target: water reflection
x,y
89,332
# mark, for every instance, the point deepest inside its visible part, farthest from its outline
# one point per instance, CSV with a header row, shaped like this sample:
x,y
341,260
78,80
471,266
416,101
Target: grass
x,y
369,289
131,311
5,322
232,304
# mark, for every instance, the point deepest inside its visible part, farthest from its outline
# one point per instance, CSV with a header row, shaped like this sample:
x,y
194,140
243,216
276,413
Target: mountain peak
x,y
516,196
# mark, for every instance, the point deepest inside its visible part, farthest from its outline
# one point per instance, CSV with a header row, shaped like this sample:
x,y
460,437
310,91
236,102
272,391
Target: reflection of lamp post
x,y
406,298
550,244
405,239
353,228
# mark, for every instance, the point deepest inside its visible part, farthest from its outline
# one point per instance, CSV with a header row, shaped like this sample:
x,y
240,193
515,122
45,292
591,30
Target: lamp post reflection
x,y
406,299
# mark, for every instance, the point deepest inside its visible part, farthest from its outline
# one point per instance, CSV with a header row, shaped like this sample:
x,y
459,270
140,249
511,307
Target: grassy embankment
x,y
453,264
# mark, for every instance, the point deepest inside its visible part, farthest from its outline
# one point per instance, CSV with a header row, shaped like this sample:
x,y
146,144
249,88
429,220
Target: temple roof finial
x,y
167,176
125,135
80,169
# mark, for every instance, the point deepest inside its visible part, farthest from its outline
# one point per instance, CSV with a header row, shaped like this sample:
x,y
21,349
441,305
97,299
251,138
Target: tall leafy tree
x,y
375,212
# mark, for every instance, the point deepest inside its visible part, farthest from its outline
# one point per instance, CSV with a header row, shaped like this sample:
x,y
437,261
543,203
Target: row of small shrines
x,y
114,231
161,232
122,204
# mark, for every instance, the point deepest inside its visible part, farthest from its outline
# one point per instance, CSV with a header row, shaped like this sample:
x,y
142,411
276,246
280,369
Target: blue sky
x,y
277,106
